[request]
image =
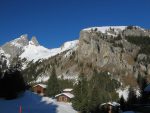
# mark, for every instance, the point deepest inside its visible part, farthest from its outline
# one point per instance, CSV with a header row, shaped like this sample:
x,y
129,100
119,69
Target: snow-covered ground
x,y
33,103
106,29
103,29
123,92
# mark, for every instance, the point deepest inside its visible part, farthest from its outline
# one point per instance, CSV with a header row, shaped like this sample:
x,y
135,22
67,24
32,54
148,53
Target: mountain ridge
x,y
23,47
108,49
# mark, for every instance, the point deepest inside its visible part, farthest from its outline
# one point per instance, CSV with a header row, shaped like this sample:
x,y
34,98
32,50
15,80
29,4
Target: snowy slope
x,y
103,29
110,30
33,52
123,92
32,103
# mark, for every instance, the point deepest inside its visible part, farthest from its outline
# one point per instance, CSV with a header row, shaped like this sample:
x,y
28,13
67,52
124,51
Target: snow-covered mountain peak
x,y
24,37
31,49
34,41
35,53
21,41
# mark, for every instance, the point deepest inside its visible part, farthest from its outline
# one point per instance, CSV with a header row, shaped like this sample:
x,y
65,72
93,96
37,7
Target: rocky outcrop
x,y
15,47
34,40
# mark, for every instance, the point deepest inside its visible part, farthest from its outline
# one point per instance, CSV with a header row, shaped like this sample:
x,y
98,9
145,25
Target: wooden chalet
x,y
40,89
65,96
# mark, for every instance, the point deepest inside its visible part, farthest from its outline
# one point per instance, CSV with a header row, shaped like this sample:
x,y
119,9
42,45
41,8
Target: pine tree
x,y
132,98
16,63
53,85
64,83
94,100
122,103
81,92
142,82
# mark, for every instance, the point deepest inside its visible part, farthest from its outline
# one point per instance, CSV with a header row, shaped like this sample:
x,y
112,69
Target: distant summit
x,y
35,41
31,50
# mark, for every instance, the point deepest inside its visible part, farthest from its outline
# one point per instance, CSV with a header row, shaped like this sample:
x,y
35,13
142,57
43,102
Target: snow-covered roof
x,y
147,89
111,103
114,103
42,85
67,89
66,94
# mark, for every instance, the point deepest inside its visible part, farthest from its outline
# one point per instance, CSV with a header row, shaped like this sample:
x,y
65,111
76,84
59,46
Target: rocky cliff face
x,y
15,47
107,49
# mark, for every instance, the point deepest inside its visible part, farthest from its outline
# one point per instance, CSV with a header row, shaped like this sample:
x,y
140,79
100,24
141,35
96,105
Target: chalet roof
x,y
42,85
69,95
67,90
111,103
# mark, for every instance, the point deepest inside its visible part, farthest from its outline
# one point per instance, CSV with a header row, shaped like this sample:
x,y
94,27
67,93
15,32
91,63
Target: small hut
x,y
40,89
64,97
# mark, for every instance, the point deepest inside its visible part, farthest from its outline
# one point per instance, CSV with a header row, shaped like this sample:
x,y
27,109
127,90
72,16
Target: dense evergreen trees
x,y
89,95
80,101
133,98
65,83
142,41
123,103
53,87
142,82
11,82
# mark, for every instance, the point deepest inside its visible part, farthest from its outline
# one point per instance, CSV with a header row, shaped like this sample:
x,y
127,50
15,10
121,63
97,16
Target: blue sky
x,y
55,21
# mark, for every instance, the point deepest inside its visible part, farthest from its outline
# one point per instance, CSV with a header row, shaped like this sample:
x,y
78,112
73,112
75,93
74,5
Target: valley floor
x,y
33,103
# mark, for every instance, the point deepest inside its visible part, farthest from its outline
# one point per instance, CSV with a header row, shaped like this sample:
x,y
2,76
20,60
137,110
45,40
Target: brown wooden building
x,y
64,97
40,89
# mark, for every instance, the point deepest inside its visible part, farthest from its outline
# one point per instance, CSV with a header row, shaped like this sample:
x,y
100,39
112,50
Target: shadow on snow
x,y
30,102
